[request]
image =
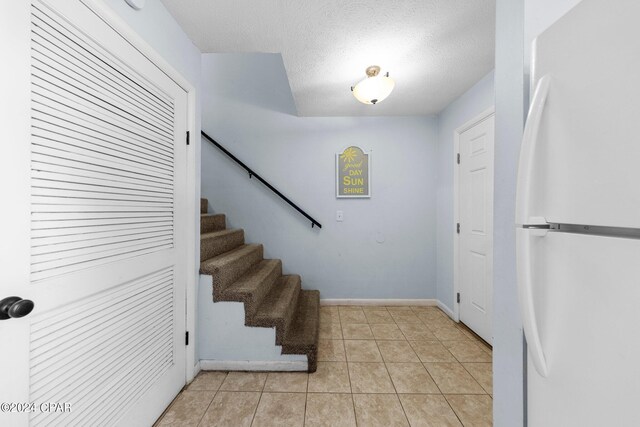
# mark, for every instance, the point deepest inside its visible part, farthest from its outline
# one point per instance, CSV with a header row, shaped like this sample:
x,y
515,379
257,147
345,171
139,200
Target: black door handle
x,y
14,307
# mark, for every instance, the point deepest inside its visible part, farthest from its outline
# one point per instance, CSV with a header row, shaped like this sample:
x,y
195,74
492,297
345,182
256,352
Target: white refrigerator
x,y
578,220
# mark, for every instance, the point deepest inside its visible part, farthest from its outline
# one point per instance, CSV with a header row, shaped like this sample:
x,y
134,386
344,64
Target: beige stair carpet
x,y
271,299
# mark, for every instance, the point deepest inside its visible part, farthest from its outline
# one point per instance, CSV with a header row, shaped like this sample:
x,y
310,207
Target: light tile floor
x,y
377,366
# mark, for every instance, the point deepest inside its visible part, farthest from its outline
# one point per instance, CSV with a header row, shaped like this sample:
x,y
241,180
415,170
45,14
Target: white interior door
x,y
475,210
99,208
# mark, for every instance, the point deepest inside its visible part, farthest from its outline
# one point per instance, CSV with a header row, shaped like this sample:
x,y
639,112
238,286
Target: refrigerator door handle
x,y
527,150
525,297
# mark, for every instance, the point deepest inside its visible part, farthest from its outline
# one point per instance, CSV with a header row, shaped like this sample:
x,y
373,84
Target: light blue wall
x,y
508,374
247,107
470,104
160,30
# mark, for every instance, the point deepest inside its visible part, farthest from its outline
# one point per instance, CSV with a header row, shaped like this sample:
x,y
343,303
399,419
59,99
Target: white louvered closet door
x,y
107,233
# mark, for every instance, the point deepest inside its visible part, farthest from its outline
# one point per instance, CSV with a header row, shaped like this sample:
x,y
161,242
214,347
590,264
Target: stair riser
x,y
288,318
211,223
214,246
280,306
256,298
305,338
291,310
231,272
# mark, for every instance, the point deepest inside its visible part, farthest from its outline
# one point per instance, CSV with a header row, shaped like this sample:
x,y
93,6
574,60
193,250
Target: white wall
x,y
160,30
247,107
470,104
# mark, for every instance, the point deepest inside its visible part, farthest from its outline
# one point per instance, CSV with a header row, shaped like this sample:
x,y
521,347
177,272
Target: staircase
x,y
271,299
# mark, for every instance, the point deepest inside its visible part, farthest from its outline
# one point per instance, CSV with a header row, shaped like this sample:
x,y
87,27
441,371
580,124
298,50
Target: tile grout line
x,y
430,376
208,406
255,411
457,360
394,385
441,393
473,376
306,400
452,408
460,363
467,338
346,362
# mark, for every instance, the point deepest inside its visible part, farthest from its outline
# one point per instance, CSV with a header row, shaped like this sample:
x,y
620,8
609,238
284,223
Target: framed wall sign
x,y
353,173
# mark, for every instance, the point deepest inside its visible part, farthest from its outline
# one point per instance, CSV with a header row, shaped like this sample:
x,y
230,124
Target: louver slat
x,y
103,349
102,155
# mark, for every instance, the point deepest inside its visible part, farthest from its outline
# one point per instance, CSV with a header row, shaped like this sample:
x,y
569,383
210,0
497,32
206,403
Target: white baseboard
x,y
196,369
252,365
447,311
387,302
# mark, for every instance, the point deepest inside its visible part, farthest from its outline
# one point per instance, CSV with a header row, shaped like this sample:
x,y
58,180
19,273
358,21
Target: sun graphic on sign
x,y
349,155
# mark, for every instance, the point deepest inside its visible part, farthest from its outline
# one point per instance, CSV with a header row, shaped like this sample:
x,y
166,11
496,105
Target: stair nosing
x,y
210,234
248,247
282,318
264,261
257,284
284,278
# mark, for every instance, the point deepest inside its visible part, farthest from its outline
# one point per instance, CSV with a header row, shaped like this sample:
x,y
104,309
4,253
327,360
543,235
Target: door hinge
x,y
186,337
189,134
458,228
458,298
458,158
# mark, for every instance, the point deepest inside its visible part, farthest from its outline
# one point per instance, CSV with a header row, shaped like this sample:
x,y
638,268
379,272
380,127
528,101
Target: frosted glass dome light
x,y
375,88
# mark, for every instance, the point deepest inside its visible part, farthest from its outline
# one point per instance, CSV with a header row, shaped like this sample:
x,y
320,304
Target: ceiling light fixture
x,y
375,88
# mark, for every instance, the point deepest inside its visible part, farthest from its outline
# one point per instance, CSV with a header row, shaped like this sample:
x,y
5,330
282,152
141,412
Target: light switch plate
x,y
339,216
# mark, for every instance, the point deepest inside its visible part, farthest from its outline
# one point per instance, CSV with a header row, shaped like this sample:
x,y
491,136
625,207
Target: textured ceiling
x,y
434,49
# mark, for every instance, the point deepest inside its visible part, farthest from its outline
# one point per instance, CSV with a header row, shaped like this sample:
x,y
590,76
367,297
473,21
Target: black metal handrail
x,y
269,186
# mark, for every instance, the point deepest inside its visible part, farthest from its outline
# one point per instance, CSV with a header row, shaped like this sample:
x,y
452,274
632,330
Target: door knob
x,y
15,307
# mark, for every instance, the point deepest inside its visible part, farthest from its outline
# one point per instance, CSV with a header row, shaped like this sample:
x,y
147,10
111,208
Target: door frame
x,y
456,194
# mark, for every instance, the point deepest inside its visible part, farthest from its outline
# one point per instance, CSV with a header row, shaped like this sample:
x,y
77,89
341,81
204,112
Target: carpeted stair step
x,y
278,306
212,222
302,337
230,266
253,285
270,299
218,242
